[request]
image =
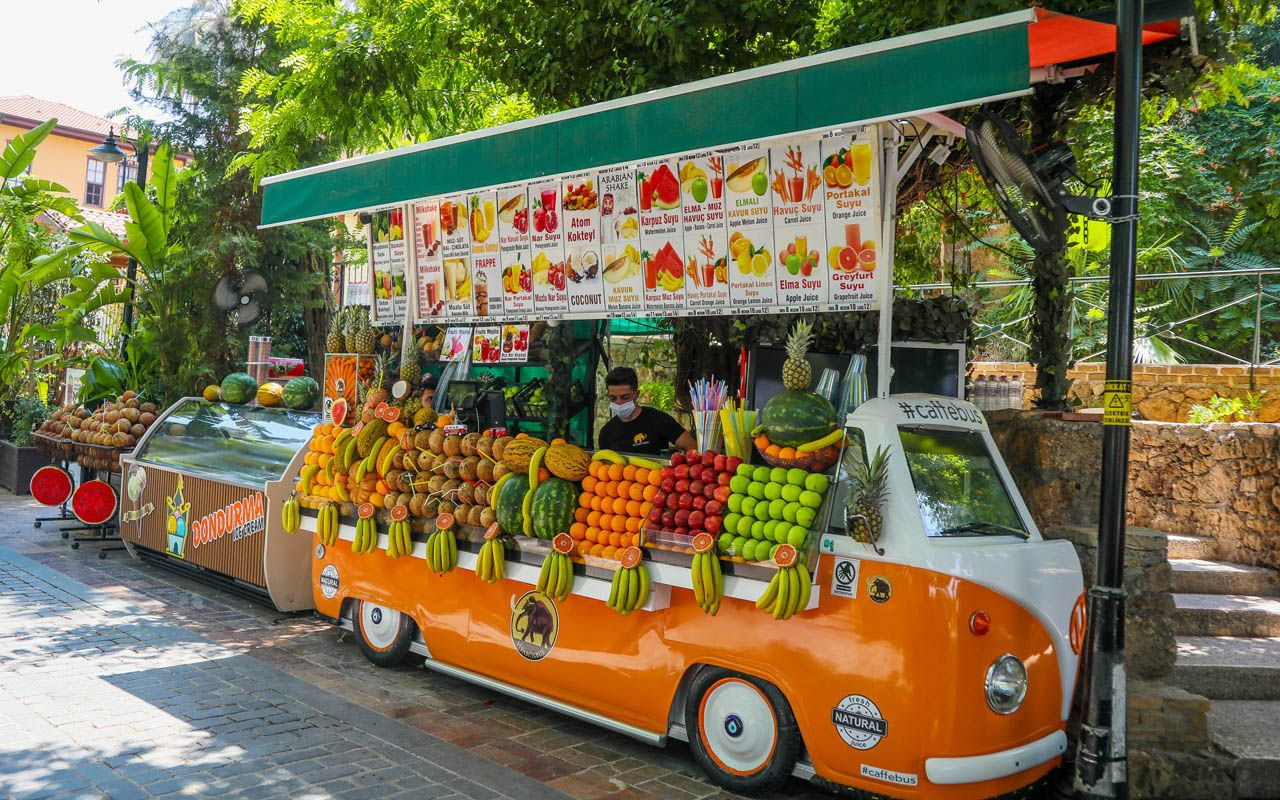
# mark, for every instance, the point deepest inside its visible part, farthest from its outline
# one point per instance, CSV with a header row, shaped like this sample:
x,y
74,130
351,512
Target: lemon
x,y
833,255
744,262
760,263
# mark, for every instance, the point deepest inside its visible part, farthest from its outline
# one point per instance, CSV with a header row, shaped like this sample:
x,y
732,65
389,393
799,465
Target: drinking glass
x,y
827,385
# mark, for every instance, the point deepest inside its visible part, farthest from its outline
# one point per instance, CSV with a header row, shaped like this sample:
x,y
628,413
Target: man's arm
x,y
685,440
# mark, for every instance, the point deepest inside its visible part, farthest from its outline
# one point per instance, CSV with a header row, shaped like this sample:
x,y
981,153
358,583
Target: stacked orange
x,y
612,508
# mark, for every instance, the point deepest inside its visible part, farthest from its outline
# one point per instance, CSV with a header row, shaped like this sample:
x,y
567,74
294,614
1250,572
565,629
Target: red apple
x,y
682,517
660,498
668,485
677,458
668,519
709,491
655,514
723,478
695,472
699,501
686,501
682,471
708,457
682,486
696,518
681,530
720,463
712,523
668,472
673,500
695,487
692,457
722,493
713,507
732,463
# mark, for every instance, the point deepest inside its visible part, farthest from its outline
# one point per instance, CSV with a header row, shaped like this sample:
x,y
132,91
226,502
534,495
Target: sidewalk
x,y
158,665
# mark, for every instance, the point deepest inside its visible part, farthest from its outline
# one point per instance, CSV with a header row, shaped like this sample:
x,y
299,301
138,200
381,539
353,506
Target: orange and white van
x,y
938,662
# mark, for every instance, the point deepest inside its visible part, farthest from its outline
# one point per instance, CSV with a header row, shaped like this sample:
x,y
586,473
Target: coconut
x,y
437,441
453,445
484,470
469,443
470,468
453,468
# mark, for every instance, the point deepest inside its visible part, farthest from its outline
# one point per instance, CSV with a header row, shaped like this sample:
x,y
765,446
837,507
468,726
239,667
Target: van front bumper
x,y
976,769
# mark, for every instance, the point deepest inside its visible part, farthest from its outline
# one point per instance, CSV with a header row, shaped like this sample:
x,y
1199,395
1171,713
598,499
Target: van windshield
x,y
959,491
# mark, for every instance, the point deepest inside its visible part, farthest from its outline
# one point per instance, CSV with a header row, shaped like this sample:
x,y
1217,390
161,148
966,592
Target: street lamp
x,y
111,153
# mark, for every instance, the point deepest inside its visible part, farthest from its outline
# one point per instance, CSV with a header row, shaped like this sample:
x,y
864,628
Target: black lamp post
x,y
111,153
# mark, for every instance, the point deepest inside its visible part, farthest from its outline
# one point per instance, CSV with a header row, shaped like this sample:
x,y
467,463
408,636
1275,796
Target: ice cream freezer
x,y
202,494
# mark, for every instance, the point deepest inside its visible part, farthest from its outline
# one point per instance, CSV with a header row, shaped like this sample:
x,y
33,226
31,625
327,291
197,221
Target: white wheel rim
x,y
379,625
738,726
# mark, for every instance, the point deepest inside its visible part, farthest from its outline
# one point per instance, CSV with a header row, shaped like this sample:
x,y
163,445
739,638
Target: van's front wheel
x,y
741,731
384,634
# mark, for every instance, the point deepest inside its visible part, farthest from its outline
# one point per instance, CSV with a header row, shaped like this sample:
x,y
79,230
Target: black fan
x,y
1029,188
239,292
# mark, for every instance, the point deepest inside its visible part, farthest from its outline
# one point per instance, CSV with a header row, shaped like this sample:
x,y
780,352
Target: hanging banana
x,y
491,564
630,587
789,591
290,514
708,580
442,546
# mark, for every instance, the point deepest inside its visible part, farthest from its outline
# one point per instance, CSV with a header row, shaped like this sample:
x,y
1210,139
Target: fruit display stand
x,y
202,494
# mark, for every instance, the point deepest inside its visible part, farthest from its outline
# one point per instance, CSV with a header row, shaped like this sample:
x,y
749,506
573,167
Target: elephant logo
x,y
175,525
535,623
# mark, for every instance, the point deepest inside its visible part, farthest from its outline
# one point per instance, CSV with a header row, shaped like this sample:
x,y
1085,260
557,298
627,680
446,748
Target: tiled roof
x,y
108,219
35,108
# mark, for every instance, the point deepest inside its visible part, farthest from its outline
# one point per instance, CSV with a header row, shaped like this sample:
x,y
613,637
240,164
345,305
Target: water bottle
x,y
1016,390
1002,392
979,394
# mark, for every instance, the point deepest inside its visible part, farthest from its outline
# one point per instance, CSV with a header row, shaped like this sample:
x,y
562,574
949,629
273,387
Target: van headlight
x,y
1006,684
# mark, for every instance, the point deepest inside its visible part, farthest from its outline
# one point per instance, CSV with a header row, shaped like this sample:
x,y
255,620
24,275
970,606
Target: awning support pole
x,y
1102,762
889,137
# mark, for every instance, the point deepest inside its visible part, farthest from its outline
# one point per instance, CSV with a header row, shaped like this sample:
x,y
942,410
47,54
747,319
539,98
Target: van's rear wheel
x,y
741,731
384,634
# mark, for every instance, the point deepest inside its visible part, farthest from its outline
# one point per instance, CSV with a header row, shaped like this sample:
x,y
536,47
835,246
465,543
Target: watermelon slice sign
x,y
51,486
94,502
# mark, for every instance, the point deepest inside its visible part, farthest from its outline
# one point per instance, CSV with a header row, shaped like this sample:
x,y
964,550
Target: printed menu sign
x,y
482,208
799,230
549,286
456,342
620,237
705,236
455,251
429,264
515,344
749,222
513,249
388,257
849,178
580,203
486,346
661,236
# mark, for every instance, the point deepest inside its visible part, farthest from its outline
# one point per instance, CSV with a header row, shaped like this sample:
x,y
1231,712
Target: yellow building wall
x,y
65,160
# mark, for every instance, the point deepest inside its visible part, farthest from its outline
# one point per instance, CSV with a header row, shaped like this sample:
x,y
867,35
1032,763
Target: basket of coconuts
x,y
98,438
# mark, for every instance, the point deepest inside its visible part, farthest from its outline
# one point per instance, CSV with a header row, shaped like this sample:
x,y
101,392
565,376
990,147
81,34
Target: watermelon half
x,y
94,502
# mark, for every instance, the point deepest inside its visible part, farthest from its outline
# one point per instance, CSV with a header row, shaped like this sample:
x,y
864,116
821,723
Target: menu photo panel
x,y
621,269
851,187
428,260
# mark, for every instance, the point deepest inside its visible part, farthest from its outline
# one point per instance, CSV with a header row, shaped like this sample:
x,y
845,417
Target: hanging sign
x,y
550,286
429,261
849,178
486,270
580,209
455,253
620,237
388,256
513,250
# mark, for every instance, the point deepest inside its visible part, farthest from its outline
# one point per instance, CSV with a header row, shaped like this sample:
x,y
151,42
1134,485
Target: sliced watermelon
x,y
666,188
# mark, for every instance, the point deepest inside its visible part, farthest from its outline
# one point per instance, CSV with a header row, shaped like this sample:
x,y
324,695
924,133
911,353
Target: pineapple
x,y
867,491
410,369
796,372
335,343
366,338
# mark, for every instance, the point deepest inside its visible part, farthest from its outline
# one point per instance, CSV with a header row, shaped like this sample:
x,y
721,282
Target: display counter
x,y
202,492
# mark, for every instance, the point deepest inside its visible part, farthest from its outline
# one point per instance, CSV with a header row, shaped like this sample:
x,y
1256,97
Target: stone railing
x,y
1163,393
1220,480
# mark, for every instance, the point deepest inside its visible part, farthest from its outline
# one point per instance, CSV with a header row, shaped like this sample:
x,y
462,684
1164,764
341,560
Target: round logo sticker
x,y
879,589
535,623
329,581
859,722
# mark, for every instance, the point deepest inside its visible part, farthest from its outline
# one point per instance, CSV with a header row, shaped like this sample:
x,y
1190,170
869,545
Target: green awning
x,y
944,68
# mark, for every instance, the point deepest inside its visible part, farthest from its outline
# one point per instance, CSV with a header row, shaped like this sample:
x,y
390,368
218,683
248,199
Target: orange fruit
x,y
592,466
629,472
597,550
583,547
762,442
637,491
649,492
377,499
597,503
610,553
584,499
619,523
787,453
381,487
633,524
773,450
610,489
593,518
615,472
578,530
589,484
615,540
642,475
655,477
591,534
325,458
633,508
581,514
543,475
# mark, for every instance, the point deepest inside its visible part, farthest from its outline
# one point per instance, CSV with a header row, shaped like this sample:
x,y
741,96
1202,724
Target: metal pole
x,y
1256,358
1102,763
131,272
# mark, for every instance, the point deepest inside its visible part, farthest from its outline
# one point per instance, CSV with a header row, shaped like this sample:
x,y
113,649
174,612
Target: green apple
x,y
796,476
748,506
793,263
773,551
771,527
739,483
735,503
761,474
698,189
749,549
810,499
816,482
745,471
757,530
777,508
762,510
797,536
778,475
725,542
805,516
789,493
739,542
789,512
772,491
744,526
731,523
759,184
755,489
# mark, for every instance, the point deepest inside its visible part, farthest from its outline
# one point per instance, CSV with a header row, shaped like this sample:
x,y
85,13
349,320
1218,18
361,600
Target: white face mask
x,y
622,409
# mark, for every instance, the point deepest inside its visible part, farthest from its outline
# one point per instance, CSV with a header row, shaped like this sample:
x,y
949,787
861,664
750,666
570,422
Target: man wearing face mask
x,y
636,428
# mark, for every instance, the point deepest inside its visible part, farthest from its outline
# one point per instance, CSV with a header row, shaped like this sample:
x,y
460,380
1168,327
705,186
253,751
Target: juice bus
x,y
936,661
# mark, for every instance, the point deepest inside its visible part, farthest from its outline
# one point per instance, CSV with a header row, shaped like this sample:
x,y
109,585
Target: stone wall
x,y
1217,480
1164,393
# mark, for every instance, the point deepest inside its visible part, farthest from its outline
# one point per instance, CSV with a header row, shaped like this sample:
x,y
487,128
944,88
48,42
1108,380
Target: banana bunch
x,y
669,282
708,581
399,539
788,592
644,463
609,456
366,540
442,551
630,589
556,578
327,524
835,437
491,565
344,448
291,515
305,477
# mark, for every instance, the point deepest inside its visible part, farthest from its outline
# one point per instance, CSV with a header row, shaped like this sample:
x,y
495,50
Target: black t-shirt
x,y
649,433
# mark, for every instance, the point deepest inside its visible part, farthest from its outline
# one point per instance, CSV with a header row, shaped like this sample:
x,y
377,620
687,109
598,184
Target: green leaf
x,y
165,182
149,222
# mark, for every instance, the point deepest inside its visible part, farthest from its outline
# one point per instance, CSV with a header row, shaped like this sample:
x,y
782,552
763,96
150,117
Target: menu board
x,y
580,205
456,342
620,242
455,251
787,225
849,177
389,259
486,346
550,296
515,344
486,270
428,262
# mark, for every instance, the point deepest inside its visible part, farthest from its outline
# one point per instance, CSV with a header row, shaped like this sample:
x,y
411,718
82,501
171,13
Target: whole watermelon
x,y
553,507
510,505
301,394
239,387
793,418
